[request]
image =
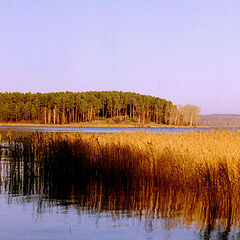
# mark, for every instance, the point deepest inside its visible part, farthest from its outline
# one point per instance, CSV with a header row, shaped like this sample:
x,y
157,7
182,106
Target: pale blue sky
x,y
187,51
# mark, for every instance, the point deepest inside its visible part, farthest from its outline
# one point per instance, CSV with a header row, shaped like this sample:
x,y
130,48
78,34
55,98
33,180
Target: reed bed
x,y
194,174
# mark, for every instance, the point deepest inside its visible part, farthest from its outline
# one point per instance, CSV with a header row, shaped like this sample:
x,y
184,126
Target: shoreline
x,y
98,124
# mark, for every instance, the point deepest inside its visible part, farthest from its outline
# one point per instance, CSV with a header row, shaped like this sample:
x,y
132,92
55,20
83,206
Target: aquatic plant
x,y
192,175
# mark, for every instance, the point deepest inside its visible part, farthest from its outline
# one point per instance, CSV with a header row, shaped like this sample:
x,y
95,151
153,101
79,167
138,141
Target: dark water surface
x,y
43,201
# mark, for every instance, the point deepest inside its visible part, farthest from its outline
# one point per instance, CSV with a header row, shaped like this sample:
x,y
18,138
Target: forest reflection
x,y
60,179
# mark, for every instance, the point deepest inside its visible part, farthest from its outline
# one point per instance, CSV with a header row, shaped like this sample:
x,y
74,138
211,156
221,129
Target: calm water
x,y
38,201
96,129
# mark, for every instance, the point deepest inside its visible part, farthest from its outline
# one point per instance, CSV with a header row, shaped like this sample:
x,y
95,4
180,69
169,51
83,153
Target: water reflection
x,y
52,180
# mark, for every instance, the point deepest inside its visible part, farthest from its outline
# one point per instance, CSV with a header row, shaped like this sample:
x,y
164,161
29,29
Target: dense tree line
x,y
69,107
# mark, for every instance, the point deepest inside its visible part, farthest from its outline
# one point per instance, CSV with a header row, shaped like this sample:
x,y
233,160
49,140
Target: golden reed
x,y
193,175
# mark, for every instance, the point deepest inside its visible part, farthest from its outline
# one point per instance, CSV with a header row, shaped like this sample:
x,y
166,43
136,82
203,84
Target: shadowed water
x,y
56,197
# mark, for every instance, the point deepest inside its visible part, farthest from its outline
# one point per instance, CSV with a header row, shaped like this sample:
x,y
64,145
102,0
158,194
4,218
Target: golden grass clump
x,y
195,173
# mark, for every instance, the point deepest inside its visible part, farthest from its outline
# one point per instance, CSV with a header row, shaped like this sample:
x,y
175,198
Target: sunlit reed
x,y
193,176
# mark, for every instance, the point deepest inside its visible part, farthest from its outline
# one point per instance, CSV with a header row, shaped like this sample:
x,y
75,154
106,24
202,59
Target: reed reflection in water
x,y
97,175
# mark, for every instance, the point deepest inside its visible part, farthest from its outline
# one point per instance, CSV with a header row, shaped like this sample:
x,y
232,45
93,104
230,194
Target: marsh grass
x,y
193,175
110,123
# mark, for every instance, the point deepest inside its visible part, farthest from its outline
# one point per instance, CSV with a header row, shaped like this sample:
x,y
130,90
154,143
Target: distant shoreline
x,y
98,124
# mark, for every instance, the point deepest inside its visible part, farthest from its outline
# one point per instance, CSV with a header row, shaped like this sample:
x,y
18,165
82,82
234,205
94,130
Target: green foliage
x,y
67,107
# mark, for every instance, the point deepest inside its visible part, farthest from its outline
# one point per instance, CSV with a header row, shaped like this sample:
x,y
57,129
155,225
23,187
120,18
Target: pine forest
x,y
76,107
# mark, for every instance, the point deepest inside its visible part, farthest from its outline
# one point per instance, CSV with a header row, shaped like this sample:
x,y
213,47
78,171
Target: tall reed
x,y
193,172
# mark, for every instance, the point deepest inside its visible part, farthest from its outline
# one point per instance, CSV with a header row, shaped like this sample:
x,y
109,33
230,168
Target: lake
x,y
97,129
43,201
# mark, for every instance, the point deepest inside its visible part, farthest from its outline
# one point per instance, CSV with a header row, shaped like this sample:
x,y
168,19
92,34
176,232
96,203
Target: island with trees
x,y
79,107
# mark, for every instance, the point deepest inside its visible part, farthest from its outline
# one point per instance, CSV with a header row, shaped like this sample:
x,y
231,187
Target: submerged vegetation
x,y
69,107
189,177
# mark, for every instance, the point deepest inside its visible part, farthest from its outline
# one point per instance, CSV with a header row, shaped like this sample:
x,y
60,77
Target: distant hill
x,y
221,120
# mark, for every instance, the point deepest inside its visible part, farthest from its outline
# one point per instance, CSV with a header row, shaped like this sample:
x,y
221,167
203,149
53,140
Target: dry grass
x,y
195,174
97,123
185,159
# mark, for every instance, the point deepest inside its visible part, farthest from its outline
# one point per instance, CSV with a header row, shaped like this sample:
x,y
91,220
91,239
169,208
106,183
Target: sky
x,y
186,51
